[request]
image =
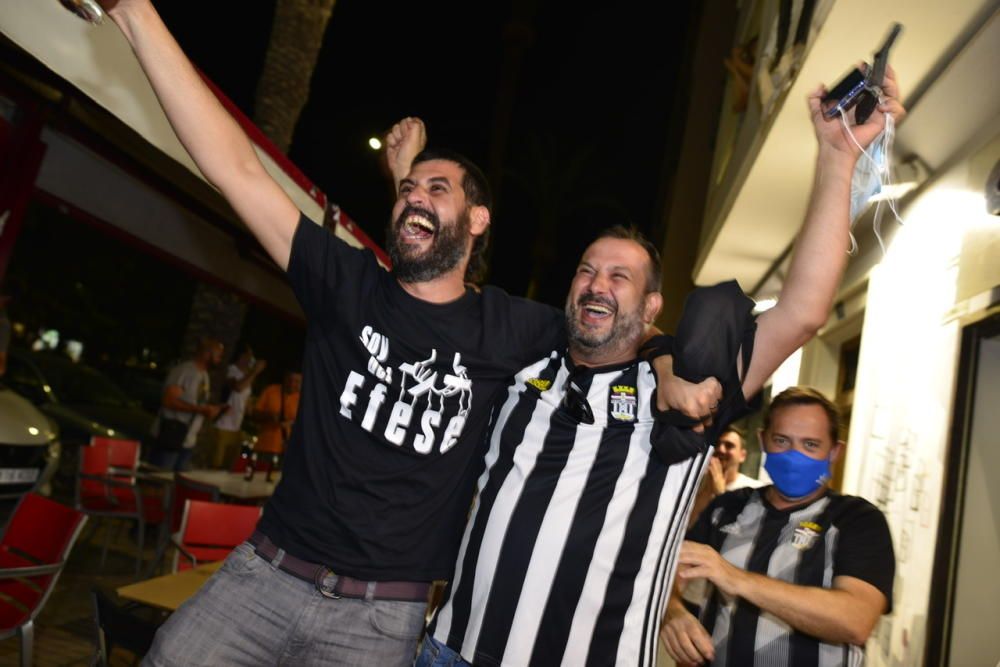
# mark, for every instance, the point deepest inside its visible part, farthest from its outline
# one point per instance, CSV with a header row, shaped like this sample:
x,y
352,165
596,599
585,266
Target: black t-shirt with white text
x,y
396,399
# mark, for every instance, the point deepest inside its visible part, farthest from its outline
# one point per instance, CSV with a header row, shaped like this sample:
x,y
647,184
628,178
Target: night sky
x,y
588,129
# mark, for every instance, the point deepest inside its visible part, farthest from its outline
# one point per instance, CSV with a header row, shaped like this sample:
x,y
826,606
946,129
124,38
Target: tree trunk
x,y
283,88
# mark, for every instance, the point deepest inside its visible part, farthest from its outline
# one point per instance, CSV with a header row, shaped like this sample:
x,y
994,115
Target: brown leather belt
x,y
347,587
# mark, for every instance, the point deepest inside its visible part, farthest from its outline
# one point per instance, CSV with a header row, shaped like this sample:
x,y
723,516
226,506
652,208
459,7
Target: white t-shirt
x,y
194,385
237,402
743,481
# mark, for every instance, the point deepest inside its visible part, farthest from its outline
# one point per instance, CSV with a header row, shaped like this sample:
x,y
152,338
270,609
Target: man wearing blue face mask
x,y
800,574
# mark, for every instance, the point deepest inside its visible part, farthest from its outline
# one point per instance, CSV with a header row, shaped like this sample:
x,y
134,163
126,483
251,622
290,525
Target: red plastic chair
x,y
184,489
209,531
108,486
187,489
33,552
122,454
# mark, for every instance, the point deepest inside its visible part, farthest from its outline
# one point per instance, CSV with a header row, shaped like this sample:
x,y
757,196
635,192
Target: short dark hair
x,y
805,396
739,434
477,193
632,233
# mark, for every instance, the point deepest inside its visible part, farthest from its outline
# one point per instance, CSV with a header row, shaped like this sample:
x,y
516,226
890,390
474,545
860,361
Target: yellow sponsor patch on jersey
x,y
540,384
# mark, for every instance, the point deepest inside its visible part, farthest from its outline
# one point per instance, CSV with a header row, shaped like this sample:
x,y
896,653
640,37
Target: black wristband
x,y
657,346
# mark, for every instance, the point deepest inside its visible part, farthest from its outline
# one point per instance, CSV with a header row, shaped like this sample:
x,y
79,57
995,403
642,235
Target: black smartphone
x,y
844,95
861,88
873,87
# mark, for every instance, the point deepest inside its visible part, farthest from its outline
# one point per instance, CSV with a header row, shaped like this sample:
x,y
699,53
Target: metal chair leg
x,y
104,547
162,542
27,632
142,538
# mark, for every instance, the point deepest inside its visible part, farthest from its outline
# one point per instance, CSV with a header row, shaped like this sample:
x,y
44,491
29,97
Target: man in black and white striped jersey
x,y
800,574
571,544
568,554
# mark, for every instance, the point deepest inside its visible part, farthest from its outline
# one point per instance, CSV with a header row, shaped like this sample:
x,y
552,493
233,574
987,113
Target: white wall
x,y
905,390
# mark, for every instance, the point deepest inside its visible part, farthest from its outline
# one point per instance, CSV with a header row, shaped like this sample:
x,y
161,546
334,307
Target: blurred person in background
x,y
185,406
724,470
275,413
226,431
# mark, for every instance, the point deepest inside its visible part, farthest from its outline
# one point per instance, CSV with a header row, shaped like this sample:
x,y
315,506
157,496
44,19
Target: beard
x,y
446,251
625,331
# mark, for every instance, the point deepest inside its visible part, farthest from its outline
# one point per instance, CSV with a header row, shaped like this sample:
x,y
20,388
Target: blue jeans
x,y
435,654
171,459
251,613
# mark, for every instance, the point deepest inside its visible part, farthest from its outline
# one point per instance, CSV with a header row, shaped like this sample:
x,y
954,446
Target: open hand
x,y
685,639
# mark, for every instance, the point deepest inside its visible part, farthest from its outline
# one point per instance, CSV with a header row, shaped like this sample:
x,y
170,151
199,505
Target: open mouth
x,y
417,225
595,310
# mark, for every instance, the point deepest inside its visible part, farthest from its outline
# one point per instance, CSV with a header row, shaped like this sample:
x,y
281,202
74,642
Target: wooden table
x,y
171,590
231,484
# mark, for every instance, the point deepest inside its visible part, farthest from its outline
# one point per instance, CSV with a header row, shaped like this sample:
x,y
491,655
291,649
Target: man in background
x,y
185,407
239,383
724,471
275,413
799,573
731,453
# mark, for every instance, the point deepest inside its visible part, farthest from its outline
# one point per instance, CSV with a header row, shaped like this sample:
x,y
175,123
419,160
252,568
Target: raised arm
x,y
210,135
403,143
820,253
248,378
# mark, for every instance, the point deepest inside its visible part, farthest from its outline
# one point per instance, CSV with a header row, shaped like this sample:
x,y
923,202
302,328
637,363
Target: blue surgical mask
x,y
796,475
869,173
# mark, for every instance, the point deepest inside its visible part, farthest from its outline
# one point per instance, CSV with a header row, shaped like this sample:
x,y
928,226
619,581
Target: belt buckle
x,y
320,575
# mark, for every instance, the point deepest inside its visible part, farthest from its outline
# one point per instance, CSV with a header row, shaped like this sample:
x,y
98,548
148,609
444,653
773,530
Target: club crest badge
x,y
806,535
623,403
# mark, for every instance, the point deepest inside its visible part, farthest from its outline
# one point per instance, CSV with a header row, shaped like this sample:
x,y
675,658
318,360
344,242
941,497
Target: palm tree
x,y
283,88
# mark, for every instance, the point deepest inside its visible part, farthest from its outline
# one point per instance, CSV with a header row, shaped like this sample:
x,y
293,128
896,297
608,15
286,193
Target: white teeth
x,y
421,222
599,310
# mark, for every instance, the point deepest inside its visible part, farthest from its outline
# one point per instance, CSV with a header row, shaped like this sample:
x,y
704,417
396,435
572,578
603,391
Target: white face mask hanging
x,y
871,175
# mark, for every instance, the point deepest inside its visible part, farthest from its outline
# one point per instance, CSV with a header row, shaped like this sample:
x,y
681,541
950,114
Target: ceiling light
x,y
375,143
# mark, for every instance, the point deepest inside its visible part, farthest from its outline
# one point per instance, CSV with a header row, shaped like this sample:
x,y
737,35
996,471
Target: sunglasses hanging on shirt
x,y
575,400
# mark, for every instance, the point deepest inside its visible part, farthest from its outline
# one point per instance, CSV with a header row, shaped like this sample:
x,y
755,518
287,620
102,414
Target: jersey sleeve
x,y
722,510
321,264
864,550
